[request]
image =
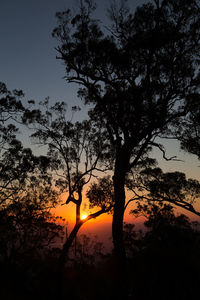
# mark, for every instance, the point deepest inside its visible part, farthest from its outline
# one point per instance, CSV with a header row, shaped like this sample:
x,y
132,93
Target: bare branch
x,y
161,148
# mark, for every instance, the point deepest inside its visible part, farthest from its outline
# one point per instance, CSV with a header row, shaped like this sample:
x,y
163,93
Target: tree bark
x,y
67,245
117,226
63,259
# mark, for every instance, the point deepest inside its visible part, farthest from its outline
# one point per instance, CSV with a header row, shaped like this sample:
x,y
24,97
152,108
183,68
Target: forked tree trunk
x,y
69,241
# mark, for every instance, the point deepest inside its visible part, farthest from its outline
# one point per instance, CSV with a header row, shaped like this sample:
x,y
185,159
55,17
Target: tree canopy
x,y
140,75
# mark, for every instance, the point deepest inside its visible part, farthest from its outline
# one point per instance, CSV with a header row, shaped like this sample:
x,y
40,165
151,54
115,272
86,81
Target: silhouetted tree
x,y
75,151
101,193
168,250
189,129
87,252
22,174
152,185
86,275
11,109
26,196
28,231
137,75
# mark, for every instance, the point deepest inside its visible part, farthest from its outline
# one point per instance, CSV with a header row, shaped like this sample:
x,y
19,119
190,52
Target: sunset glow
x,y
83,217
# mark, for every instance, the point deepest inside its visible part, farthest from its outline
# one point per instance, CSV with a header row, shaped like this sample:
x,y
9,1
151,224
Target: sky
x,y
28,56
27,52
28,61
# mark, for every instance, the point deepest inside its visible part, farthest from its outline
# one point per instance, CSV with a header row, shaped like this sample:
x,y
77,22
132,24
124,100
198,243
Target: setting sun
x,y
83,217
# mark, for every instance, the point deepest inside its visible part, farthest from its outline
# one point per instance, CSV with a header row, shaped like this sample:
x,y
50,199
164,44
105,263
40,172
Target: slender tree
x,y
137,75
75,152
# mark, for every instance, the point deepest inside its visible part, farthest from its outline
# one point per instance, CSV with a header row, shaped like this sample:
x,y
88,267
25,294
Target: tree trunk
x,y
67,245
117,227
63,259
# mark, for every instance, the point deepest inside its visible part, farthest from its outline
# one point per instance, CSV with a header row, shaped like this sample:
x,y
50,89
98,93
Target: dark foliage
x,y
188,131
140,75
28,231
165,263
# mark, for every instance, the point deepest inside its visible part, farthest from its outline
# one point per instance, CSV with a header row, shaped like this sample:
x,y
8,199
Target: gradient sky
x,y
27,52
28,61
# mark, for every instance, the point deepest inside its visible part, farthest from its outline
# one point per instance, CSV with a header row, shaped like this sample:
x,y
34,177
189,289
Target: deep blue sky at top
x,y
28,59
27,52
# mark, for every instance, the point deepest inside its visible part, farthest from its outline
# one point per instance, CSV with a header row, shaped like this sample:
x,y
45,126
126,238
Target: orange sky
x,y
102,226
